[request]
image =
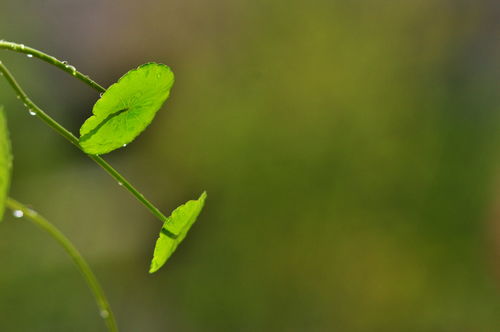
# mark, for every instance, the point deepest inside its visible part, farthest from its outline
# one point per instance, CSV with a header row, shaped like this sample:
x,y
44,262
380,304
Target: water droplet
x,y
65,62
21,46
32,112
100,95
29,55
18,213
72,68
120,184
104,313
124,145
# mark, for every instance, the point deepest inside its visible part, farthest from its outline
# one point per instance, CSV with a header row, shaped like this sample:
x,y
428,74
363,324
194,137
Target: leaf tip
x,y
153,268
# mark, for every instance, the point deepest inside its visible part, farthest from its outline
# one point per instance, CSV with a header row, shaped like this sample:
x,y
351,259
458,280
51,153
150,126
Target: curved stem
x,y
82,265
74,140
31,52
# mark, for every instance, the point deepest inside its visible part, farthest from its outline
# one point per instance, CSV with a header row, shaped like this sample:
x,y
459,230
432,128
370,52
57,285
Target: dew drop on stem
x,y
18,213
72,68
104,314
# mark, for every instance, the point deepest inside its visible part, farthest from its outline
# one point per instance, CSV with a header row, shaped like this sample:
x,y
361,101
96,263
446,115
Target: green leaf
x,y
126,108
174,230
5,161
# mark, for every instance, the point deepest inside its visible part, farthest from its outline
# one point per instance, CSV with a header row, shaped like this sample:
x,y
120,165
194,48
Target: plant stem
x,y
82,265
123,182
74,140
52,60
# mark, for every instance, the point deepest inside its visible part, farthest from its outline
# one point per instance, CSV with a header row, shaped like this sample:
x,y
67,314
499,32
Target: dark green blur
x,y
350,151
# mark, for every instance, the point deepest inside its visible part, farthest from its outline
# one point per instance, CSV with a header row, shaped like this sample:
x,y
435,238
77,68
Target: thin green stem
x,y
74,140
31,52
82,265
34,108
123,182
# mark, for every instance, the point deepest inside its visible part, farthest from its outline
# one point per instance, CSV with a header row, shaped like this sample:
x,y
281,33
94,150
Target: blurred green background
x,y
350,150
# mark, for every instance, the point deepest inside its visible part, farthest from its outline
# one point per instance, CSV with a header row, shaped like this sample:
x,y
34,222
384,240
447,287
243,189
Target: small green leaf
x,y
5,161
174,230
126,108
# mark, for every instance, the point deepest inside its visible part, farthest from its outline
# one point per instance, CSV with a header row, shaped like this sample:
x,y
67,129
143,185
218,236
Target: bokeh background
x,y
350,150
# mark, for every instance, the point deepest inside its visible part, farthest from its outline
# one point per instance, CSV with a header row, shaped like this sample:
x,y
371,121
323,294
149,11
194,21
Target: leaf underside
x,y
178,224
5,162
126,108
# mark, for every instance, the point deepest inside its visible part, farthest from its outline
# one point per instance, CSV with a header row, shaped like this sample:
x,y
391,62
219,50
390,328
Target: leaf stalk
x,y
100,298
63,65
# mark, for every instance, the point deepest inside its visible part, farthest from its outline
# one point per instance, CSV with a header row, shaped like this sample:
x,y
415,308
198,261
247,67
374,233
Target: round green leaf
x,y
174,230
5,161
126,108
